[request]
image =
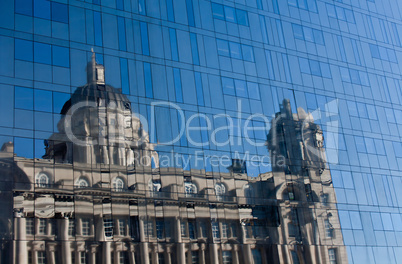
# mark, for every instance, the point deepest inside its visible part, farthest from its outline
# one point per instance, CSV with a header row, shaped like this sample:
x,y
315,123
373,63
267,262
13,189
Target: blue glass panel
x,y
148,80
23,7
235,50
169,7
298,31
304,65
99,58
259,4
280,32
325,70
177,85
263,29
392,56
242,17
349,16
144,38
42,9
340,13
292,3
23,147
253,90
228,86
318,37
120,4
375,53
248,53
23,98
61,56
199,89
59,12
173,44
396,34
276,7
312,6
308,34
190,13
269,64
223,47
344,74
315,68
124,76
121,26
354,76
217,11
59,99
341,48
331,10
230,14
311,101
287,69
43,100
141,7
194,48
23,50
360,144
42,53
98,28
302,4
241,89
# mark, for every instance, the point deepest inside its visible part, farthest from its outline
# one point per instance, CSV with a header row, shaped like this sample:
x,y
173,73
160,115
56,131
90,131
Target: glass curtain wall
x,y
200,131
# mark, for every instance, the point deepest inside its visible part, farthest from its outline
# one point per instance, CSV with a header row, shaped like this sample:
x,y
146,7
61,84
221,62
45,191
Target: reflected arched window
x,y
42,180
81,183
118,185
220,190
190,188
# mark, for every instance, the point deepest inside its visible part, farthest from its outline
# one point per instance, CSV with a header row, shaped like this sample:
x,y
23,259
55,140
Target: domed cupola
x,y
98,126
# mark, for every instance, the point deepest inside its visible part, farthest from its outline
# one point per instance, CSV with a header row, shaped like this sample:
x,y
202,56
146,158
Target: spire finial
x,y
93,56
95,72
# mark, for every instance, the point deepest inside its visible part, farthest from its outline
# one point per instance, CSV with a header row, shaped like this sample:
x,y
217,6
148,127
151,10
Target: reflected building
x,y
310,228
98,195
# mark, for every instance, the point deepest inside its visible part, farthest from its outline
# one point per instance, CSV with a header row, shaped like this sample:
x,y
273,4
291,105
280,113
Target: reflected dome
x,y
99,127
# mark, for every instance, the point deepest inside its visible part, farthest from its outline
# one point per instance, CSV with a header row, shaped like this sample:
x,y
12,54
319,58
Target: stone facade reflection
x,y
92,203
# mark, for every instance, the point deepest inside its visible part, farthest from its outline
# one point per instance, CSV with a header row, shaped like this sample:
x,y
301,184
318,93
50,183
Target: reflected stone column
x,y
92,259
181,252
202,254
65,244
248,258
144,244
284,254
235,254
168,255
132,254
52,256
155,256
21,237
107,252
214,253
